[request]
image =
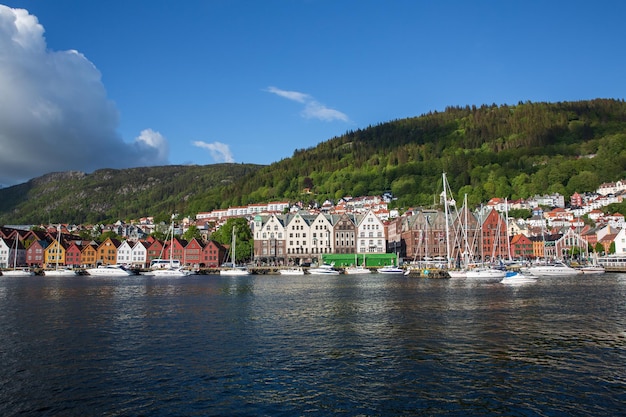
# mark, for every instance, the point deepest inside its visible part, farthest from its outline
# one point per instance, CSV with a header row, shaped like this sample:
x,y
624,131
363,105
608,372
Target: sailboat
x,y
234,270
58,271
15,272
171,270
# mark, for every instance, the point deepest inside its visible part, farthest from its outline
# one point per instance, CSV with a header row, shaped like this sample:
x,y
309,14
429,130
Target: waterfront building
x,y
521,247
139,254
89,254
193,252
124,252
370,234
106,254
213,254
344,234
55,253
35,253
73,253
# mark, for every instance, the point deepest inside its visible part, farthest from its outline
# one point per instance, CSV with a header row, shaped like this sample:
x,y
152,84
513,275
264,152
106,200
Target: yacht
x,y
485,273
292,271
390,269
556,269
110,271
359,269
324,269
516,278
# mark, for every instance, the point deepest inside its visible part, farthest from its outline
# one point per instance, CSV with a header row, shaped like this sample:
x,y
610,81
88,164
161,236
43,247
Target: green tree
x,y
243,235
192,232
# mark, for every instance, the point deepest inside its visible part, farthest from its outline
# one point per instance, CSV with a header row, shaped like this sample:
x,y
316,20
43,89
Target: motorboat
x,y
358,269
515,278
324,269
113,270
556,269
171,272
390,269
18,272
292,271
592,269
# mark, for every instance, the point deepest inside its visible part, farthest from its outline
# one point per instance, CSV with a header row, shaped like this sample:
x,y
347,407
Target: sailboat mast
x,y
445,200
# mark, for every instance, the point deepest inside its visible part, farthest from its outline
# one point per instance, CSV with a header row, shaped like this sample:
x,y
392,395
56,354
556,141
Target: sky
x,y
97,84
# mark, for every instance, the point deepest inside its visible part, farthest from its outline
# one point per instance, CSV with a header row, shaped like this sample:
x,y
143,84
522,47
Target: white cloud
x,y
290,95
220,152
54,110
312,108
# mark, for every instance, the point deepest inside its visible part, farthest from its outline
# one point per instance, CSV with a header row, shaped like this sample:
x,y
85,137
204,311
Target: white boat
x,y
324,269
110,271
556,269
17,272
59,271
516,278
359,269
356,268
485,273
234,270
592,269
170,272
292,271
390,269
457,273
168,267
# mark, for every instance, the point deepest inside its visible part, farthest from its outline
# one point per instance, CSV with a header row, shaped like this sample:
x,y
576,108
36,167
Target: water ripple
x,y
285,346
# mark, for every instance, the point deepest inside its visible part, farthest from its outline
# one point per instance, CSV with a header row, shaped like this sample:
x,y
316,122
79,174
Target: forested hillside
x,y
488,151
110,194
503,151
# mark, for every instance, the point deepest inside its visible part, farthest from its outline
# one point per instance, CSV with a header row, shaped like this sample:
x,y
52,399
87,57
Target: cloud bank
x,y
312,108
54,111
220,152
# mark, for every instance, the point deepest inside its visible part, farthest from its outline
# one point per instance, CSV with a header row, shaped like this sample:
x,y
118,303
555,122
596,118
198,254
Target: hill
x,y
110,194
487,151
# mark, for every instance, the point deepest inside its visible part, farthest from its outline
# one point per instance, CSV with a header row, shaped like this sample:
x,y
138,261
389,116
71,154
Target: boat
x,y
17,272
359,269
516,278
485,273
170,272
457,273
292,271
592,269
390,269
173,268
356,268
324,269
113,270
551,270
62,271
234,270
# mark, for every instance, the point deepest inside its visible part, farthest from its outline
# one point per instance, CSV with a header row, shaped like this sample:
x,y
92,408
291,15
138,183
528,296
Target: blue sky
x,y
95,84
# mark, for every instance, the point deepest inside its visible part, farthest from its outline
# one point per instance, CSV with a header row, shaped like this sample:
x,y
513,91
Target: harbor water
x,y
354,345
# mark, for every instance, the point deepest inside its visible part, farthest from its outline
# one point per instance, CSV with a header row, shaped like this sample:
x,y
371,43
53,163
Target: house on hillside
x,y
620,242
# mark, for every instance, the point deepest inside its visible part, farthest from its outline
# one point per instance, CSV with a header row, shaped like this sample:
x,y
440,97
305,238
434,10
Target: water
x,y
368,345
